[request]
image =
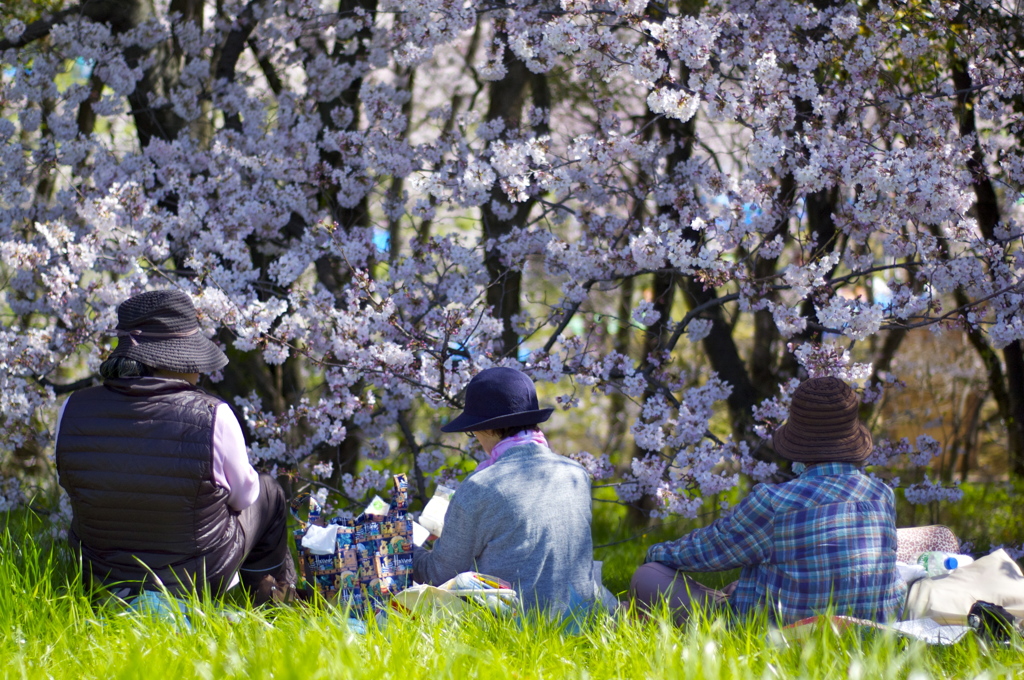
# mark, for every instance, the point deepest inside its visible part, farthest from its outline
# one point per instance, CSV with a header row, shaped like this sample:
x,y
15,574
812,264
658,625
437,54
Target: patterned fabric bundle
x,y
372,554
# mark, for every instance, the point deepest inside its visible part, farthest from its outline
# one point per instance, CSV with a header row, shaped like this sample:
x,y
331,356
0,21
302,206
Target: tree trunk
x,y
618,425
1010,394
662,296
507,97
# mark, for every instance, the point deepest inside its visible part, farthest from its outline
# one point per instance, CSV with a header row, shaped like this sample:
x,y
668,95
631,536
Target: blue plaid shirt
x,y
825,538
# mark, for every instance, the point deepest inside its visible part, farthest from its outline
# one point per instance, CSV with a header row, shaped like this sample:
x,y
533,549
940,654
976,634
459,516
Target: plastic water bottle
x,y
941,563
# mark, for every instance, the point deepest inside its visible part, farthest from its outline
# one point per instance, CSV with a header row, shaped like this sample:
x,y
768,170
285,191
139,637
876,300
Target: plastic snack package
x,y
377,508
321,540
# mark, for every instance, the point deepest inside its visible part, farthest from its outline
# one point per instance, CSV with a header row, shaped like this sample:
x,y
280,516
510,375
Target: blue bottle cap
x,y
950,563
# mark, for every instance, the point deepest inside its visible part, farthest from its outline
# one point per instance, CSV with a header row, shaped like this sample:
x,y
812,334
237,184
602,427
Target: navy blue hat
x,y
497,398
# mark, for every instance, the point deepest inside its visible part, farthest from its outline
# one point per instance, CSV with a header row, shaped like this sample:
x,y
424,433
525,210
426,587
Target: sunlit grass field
x,y
49,629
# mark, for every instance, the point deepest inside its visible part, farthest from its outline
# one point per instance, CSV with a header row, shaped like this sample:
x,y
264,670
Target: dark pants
x,y
265,525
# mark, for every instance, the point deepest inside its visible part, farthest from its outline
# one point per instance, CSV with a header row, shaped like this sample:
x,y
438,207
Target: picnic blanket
x,y
926,630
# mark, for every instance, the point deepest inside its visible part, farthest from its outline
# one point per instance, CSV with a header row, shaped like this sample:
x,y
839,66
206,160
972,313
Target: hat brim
x,y
854,448
465,422
193,354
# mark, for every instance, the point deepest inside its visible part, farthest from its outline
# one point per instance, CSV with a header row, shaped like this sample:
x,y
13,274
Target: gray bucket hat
x,y
161,329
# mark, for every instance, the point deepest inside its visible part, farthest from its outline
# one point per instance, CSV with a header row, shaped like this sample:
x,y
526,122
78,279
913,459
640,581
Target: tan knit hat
x,y
823,426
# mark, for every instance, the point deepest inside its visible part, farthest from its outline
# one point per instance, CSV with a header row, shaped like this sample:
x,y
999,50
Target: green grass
x,y
49,629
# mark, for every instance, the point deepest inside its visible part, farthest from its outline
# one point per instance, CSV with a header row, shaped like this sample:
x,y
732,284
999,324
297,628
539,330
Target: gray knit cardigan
x,y
525,519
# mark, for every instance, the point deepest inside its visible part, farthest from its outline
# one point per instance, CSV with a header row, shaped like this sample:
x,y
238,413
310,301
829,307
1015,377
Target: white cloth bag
x,y
995,578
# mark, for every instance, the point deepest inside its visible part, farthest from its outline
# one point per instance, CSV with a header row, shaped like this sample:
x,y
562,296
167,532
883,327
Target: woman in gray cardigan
x,y
524,514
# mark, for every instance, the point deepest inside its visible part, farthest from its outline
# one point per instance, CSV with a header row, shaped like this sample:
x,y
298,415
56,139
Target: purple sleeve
x,y
231,468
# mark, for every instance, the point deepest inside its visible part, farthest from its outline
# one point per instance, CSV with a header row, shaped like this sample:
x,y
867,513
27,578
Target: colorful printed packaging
x,y
373,559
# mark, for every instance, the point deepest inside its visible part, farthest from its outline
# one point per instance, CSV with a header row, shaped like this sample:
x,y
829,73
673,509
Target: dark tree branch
x,y
232,49
120,14
267,66
986,207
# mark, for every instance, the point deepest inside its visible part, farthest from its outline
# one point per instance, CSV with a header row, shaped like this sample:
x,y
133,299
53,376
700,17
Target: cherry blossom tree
x,y
683,206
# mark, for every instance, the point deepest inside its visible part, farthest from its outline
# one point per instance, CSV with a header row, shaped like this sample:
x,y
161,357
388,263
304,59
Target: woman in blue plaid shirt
x,y
825,539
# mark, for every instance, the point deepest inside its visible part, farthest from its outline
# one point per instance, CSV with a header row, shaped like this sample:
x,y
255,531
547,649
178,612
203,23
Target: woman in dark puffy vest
x,y
160,483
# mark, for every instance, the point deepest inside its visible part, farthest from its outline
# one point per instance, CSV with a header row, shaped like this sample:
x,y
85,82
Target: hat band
x,y
133,335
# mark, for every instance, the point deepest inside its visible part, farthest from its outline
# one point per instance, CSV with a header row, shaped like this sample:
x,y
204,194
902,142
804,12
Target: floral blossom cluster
x,y
370,205
11,495
928,491
599,467
886,453
901,455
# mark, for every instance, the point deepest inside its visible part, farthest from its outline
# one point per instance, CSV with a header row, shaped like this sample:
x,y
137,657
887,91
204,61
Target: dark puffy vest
x,y
136,458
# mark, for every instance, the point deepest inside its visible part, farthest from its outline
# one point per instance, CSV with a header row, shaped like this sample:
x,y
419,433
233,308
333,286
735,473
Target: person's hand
x,y
272,591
